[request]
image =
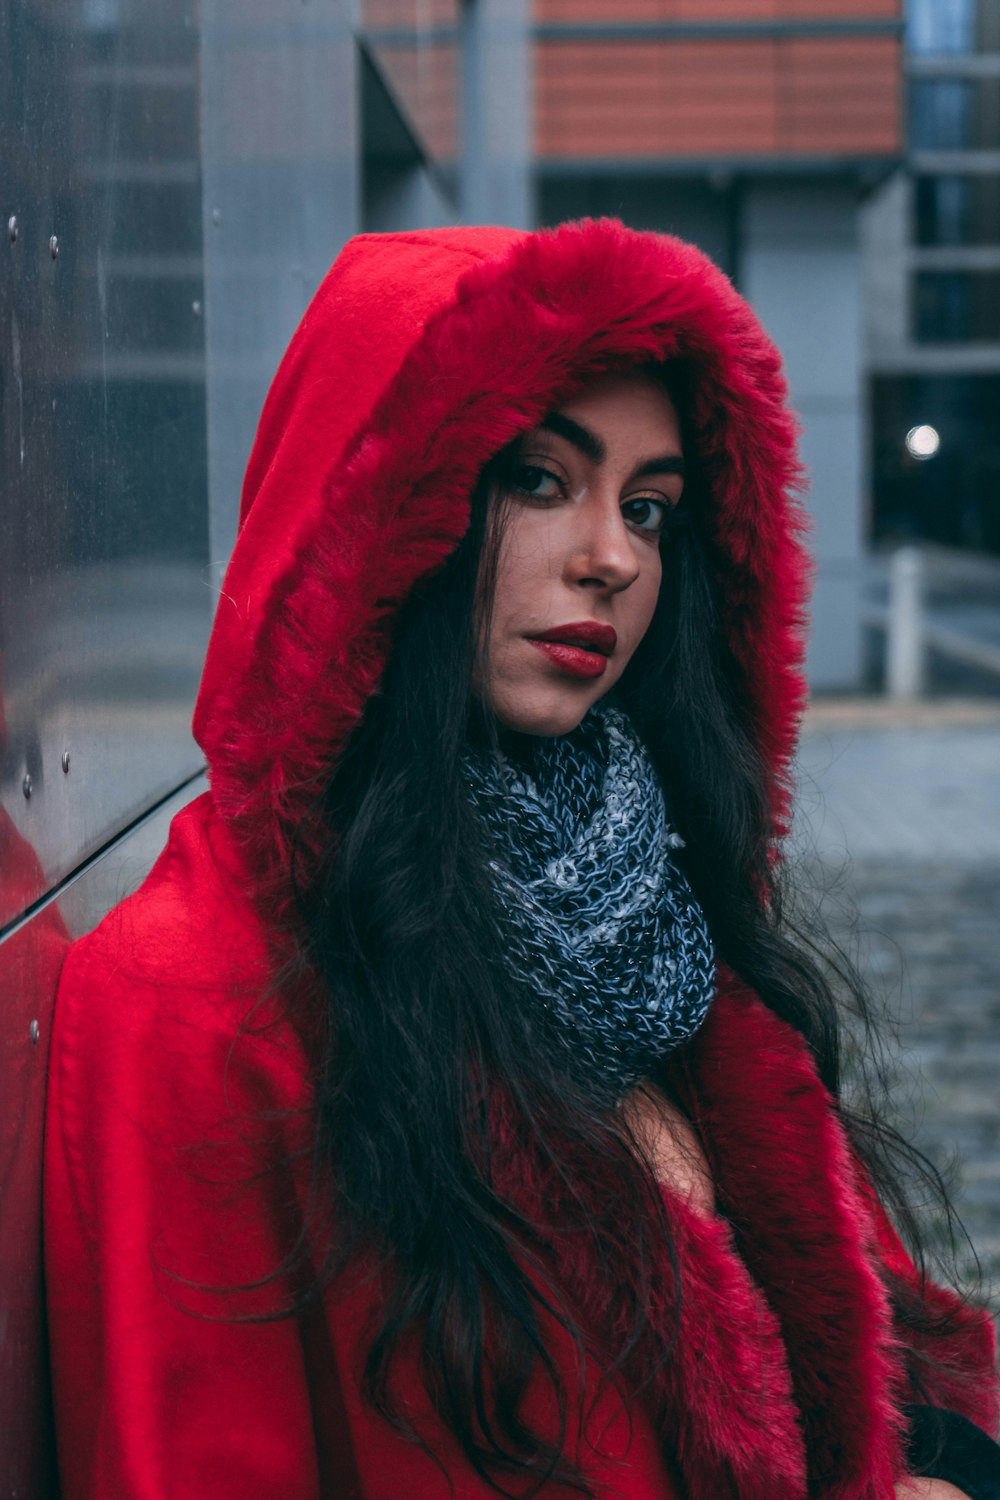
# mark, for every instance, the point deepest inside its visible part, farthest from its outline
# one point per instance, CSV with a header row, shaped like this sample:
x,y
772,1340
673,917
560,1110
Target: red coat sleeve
x,y
956,1362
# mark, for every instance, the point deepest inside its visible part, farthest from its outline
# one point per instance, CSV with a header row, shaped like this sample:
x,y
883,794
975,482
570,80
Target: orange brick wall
x,y
582,11
773,95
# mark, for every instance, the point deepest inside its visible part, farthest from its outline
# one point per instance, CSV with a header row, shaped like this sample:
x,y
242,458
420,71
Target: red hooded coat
x,y
179,1098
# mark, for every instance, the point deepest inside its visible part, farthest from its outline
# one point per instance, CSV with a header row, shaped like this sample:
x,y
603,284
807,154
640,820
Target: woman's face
x,y
578,570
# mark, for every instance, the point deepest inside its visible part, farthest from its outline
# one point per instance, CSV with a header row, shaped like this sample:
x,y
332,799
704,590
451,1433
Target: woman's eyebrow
x,y
588,442
670,463
592,447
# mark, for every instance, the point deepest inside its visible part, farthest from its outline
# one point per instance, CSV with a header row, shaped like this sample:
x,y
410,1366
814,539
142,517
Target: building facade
x,y
754,128
931,239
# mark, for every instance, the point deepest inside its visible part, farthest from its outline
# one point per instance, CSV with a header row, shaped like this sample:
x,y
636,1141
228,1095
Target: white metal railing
x,y
911,631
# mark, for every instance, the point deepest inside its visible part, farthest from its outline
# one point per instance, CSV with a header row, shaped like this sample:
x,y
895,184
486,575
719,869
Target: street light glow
x,y
923,441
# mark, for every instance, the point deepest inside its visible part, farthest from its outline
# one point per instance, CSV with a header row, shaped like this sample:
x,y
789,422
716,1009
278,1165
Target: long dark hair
x,y
435,1078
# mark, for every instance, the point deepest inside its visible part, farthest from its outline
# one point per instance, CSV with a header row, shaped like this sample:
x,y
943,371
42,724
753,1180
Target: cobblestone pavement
x,y
900,825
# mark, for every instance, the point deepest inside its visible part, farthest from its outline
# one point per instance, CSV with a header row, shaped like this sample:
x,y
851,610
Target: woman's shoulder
x,y
190,927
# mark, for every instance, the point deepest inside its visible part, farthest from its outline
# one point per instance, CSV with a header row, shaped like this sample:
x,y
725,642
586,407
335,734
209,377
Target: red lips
x,y
579,650
589,634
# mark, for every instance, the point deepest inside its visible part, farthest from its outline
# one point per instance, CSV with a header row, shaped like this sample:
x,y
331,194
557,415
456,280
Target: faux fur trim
x,y
723,1403
786,1180
729,1412
519,324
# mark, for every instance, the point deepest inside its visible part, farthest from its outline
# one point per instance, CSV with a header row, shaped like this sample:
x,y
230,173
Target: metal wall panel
x,y
103,530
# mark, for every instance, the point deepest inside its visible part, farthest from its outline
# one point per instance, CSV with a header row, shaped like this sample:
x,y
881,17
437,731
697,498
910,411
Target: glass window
x,y
953,498
939,113
958,209
939,25
984,114
959,306
955,114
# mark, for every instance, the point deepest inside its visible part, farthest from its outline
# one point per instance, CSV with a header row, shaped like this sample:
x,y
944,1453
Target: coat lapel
x,y
787,1184
728,1415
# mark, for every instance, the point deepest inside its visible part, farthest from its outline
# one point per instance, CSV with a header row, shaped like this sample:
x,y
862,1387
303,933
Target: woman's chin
x,y
549,714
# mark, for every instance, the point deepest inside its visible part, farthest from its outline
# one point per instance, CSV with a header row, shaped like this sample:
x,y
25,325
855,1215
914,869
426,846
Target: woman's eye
x,y
646,513
539,483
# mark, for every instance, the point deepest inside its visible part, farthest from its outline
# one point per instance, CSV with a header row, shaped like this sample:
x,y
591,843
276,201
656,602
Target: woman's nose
x,y
604,553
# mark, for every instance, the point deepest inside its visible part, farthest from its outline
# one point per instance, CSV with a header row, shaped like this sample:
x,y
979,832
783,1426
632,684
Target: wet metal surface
x,y
104,604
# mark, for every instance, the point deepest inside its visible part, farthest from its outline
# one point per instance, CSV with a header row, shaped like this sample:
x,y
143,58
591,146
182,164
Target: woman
x,y
450,1112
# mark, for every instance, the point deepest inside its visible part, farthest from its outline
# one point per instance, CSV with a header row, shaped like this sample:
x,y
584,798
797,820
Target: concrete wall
x,y
800,268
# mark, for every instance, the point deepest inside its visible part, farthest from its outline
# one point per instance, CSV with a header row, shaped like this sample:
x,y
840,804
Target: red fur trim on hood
x,y
785,1180
421,355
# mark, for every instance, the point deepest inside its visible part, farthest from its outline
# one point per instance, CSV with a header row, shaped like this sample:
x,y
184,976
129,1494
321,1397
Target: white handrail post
x,y
905,643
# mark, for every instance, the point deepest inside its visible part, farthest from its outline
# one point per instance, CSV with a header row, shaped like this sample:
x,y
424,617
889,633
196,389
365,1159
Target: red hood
x,y
420,356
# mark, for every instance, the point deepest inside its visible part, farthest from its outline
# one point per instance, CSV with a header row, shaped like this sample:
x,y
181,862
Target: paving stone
x,y
899,827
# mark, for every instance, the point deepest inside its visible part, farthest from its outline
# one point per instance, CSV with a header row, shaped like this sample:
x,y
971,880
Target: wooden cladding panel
x,y
841,96
589,12
837,10
629,99
732,98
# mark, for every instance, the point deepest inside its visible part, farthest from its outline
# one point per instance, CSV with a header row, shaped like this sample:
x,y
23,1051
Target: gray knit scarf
x,y
600,920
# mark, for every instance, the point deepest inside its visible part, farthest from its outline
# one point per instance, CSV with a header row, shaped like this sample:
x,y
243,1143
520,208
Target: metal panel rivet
x,y
34,1031
27,787
196,308
65,762
216,215
12,228
54,246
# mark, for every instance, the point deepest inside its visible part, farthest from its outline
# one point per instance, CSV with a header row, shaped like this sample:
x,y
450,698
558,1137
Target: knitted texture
x,y
602,922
